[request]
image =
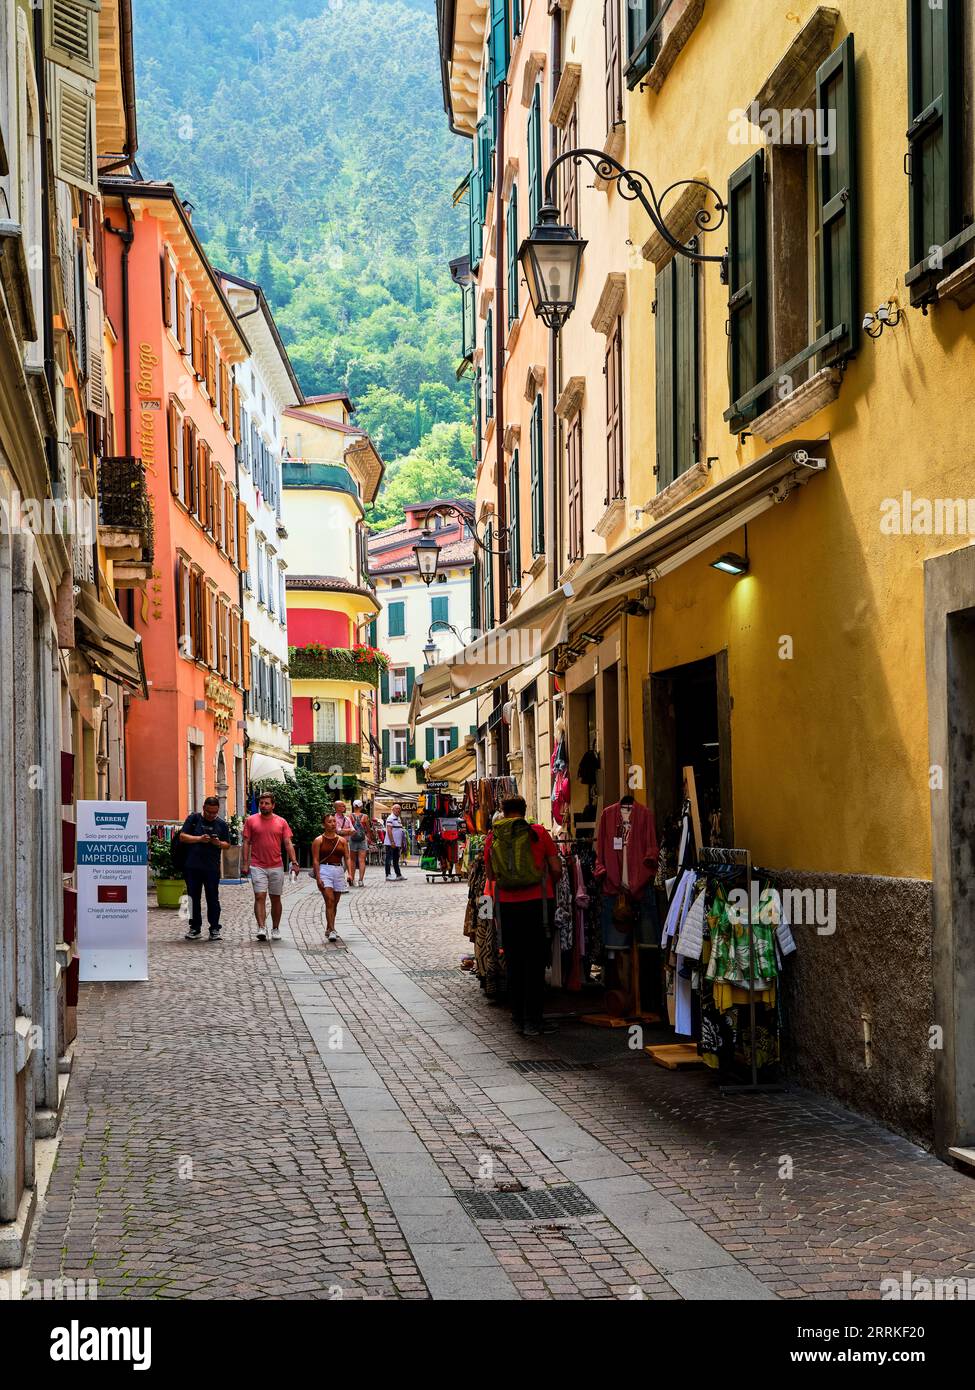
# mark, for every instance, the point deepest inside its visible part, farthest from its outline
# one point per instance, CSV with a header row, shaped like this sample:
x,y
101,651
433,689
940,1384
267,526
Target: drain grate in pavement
x,y
528,1066
550,1203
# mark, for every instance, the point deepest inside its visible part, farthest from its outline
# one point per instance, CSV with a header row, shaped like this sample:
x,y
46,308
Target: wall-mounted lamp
x,y
731,562
887,316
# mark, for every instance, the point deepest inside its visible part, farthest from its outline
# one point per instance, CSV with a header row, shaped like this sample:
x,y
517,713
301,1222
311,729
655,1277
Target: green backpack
x,y
513,864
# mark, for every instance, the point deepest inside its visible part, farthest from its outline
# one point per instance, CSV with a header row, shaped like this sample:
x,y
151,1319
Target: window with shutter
x,y
568,172
838,203
513,266
535,156
488,577
475,594
941,212
489,366
397,619
537,446
440,608
243,559
199,342
166,280
97,401
71,35
175,432
475,200
478,416
499,43
235,413
203,482
643,36
677,329
747,281
245,652
574,478
613,369
73,118
514,523
614,65
189,465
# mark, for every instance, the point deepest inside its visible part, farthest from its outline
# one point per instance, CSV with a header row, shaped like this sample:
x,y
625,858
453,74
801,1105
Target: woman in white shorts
x,y
332,867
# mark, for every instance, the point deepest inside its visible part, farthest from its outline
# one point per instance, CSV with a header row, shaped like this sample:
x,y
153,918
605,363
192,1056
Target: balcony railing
x,y
332,664
323,757
124,504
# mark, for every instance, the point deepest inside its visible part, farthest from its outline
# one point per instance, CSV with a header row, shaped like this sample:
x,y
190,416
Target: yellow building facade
x,y
805,409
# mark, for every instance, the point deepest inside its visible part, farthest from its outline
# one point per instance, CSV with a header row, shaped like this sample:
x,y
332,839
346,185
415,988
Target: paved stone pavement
x,y
297,1120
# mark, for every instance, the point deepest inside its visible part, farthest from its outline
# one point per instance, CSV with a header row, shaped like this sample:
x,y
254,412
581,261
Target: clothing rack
x,y
710,857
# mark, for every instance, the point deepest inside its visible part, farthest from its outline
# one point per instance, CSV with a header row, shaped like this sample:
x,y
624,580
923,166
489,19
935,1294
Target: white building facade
x,y
267,386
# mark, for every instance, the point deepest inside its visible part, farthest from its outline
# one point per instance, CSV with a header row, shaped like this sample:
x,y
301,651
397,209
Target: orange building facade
x,y
180,414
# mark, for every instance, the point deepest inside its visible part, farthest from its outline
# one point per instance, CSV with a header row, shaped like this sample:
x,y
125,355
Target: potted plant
x,y
170,886
231,856
420,768
397,768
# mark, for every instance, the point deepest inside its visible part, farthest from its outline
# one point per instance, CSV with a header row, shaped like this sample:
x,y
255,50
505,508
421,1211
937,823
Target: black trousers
x,y
392,860
524,940
198,882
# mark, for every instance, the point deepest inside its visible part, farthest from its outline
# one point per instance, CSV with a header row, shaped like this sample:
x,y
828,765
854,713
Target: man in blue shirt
x,y
205,836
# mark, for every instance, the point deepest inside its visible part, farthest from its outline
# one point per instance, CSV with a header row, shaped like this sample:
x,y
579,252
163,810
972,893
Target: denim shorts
x,y
333,876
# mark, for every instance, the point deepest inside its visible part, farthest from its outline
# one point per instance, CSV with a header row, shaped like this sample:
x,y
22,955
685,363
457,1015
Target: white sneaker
x,y
275,933
262,936
333,936
389,878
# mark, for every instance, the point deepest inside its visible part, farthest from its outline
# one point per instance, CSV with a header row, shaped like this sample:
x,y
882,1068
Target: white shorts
x,y
333,876
267,880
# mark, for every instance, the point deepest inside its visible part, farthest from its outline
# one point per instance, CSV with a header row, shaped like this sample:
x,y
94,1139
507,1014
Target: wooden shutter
x,y
196,613
454,737
384,687
431,746
245,653
167,290
174,429
665,355
615,480
189,465
534,157
614,72
499,43
242,538
514,520
73,129
537,479
512,235
226,414
199,342
71,35
209,363
838,202
182,332
385,748
229,519
213,513
747,281
935,105
476,225
233,628
686,372
203,484
235,414
410,681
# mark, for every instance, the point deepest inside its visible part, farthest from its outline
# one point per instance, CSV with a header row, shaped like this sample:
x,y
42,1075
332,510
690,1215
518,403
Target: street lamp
x,y
427,550
551,257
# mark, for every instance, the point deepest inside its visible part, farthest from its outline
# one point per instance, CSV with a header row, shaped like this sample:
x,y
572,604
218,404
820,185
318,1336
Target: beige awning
x,y
709,517
264,768
525,637
456,767
111,646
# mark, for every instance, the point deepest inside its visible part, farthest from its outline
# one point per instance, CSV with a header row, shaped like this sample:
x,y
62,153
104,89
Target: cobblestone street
x,y
306,1121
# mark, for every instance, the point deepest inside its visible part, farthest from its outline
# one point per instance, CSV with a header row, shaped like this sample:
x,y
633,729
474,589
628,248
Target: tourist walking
x,y
523,866
267,839
332,866
394,838
360,838
205,837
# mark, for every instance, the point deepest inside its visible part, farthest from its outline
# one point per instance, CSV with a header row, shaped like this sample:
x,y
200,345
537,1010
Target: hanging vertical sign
x,y
112,869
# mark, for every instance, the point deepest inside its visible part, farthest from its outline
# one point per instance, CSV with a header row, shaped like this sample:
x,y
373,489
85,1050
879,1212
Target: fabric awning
x,y
701,523
456,767
525,637
264,768
111,646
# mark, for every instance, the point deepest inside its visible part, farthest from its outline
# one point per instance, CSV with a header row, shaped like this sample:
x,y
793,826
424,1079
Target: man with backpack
x,y
197,852
523,866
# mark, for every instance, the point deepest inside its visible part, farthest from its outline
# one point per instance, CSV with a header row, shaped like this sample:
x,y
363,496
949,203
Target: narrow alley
x,y
355,1121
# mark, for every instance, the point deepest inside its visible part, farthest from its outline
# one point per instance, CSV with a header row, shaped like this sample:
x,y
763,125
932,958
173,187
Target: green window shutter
x,y
410,749
488,615
485,156
476,593
385,748
534,157
397,619
499,43
665,351
384,688
686,373
473,730
537,479
430,747
410,678
478,416
935,101
439,609
748,281
454,738
489,366
512,233
467,335
516,16
838,202
514,523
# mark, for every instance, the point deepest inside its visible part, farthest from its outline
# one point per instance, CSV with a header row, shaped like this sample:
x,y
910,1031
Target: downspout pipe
x,y
499,336
127,238
47,272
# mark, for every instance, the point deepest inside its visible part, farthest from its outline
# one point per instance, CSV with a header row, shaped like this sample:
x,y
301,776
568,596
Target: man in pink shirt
x,y
266,838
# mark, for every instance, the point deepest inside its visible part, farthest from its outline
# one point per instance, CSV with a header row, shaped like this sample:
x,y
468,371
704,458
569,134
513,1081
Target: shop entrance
x,y
689,709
